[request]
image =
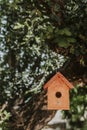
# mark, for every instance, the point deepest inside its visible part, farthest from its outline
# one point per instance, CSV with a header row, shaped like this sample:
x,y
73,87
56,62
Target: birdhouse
x,y
58,92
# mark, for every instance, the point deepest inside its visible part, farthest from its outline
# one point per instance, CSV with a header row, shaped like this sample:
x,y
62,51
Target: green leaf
x,y
63,43
64,31
50,29
71,40
67,32
18,26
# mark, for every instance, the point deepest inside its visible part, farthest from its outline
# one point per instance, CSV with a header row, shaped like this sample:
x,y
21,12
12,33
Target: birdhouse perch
x,y
58,92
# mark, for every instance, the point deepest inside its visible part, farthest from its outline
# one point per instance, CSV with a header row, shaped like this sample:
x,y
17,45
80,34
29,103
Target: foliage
x,y
4,117
36,38
85,125
72,32
26,60
78,104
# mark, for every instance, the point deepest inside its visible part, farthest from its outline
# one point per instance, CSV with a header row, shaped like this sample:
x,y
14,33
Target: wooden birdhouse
x,y
58,92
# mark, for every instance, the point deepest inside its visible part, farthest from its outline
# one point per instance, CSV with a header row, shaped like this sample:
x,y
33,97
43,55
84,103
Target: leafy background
x,y
37,38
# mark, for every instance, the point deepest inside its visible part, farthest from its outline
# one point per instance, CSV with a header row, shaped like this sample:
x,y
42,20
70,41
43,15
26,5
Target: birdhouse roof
x,y
60,77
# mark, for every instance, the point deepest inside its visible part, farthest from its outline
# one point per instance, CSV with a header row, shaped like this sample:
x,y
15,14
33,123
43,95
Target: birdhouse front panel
x,y
58,92
58,96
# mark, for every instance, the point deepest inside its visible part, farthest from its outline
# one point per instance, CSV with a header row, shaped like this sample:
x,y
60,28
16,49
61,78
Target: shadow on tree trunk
x,y
33,115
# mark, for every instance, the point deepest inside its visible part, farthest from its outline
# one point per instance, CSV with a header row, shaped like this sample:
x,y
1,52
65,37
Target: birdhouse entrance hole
x,y
58,94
